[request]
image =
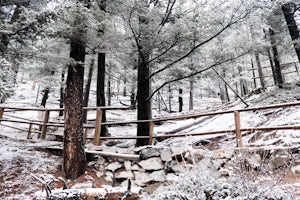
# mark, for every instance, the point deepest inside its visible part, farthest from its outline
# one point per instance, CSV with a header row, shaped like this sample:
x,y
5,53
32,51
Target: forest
x,y
165,54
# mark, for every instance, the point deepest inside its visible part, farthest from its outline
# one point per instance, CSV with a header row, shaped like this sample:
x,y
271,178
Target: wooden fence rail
x,y
98,124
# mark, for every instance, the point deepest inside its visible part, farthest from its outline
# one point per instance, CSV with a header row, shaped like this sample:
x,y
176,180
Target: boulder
x,y
172,177
178,168
121,174
141,178
109,176
166,155
149,153
253,161
158,176
279,161
113,166
127,165
135,167
223,153
151,164
296,169
218,163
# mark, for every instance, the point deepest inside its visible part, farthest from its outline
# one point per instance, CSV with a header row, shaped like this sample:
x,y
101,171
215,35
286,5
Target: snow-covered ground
x,y
19,157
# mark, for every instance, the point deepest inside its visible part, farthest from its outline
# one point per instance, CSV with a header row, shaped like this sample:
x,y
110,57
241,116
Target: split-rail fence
x,y
45,122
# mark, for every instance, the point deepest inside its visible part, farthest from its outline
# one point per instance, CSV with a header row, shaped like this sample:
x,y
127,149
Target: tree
x,y
101,75
163,39
73,153
288,12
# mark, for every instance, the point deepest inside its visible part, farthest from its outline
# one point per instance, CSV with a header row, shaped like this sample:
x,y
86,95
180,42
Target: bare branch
x,y
191,51
195,73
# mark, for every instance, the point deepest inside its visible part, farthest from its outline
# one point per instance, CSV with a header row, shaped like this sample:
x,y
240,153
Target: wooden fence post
x,y
151,127
98,127
29,131
1,112
237,119
44,126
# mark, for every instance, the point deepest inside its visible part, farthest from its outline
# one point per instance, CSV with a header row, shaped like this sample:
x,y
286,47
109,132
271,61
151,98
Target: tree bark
x,y
260,73
109,87
87,89
292,25
180,101
270,59
73,154
277,69
191,98
143,80
45,97
253,74
101,89
62,93
144,106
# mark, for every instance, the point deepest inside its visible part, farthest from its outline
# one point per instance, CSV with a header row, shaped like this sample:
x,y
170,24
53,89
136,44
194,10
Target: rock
x,y
152,164
178,151
223,153
114,166
135,167
101,161
158,176
205,164
166,155
109,176
279,161
172,177
100,174
177,168
254,161
151,187
296,169
196,155
127,165
218,163
225,172
141,178
149,153
123,174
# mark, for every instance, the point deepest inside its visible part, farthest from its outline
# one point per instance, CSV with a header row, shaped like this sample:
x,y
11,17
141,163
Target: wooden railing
x,y
97,126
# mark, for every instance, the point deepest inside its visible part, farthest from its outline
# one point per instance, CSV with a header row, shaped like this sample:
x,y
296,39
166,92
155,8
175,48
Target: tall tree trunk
x,y
101,89
288,12
260,73
62,93
277,68
45,97
170,97
144,106
109,87
101,77
87,89
191,98
143,80
124,88
73,154
253,74
180,101
270,59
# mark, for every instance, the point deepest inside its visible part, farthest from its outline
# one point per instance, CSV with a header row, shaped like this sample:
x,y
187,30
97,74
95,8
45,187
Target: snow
x,y
20,157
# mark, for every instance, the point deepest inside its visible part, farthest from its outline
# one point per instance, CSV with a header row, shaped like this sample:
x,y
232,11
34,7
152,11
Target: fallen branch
x,y
116,155
113,193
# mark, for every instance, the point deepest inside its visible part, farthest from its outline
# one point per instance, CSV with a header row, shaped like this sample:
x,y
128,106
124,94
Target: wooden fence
x,y
97,125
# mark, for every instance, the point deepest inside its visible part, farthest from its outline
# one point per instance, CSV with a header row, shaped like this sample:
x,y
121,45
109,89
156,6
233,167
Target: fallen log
x,y
108,193
115,155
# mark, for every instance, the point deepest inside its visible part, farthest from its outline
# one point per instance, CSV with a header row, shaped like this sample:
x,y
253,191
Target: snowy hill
x,y
21,158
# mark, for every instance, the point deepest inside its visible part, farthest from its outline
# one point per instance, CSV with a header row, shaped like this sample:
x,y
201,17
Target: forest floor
x,y
20,158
